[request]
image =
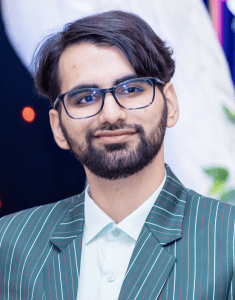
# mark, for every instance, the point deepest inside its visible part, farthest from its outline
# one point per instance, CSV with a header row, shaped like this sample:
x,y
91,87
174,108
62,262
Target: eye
x,y
83,98
87,99
130,90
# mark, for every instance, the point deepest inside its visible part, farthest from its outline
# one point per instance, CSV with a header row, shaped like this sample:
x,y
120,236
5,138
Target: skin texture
x,y
101,66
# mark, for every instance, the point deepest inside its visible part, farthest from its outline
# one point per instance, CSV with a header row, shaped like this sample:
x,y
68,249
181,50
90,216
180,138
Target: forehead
x,y
87,63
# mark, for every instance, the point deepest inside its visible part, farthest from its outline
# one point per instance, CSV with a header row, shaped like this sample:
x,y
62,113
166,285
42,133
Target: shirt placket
x,y
115,256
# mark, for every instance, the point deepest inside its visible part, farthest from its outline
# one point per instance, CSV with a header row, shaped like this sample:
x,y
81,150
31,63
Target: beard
x,y
118,160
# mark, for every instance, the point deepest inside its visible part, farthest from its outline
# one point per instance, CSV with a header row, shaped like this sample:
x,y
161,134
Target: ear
x,y
56,129
172,104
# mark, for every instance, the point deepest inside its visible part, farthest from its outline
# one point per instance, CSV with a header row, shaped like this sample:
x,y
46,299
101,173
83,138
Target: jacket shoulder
x,y
192,194
206,205
40,220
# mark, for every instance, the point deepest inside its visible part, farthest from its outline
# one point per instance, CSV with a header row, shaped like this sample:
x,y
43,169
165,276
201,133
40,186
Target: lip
x,y
114,136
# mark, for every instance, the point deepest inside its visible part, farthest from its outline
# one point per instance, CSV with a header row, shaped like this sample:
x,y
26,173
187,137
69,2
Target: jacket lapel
x,y
61,273
165,219
149,267
151,264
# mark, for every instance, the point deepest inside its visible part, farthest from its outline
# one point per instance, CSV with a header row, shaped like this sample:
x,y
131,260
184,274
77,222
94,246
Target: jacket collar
x,y
71,225
165,219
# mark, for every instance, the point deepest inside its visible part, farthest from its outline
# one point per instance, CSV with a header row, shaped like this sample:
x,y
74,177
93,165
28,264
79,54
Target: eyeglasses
x,y
131,94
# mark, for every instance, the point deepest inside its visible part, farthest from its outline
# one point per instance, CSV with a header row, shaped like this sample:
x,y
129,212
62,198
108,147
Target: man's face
x,y
116,143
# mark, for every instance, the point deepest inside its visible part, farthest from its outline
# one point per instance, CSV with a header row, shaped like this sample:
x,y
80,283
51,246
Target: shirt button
x,y
116,232
111,278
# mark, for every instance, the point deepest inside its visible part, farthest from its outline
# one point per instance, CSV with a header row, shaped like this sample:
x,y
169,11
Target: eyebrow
x,y
95,86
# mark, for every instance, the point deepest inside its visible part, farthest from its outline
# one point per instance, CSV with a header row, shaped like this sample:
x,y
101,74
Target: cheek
x,y
81,125
86,123
78,129
144,117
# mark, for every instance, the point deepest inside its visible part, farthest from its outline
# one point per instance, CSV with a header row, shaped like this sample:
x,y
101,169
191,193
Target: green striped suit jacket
x,y
184,251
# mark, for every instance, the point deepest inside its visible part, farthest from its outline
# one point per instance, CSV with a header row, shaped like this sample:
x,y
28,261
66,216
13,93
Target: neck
x,y
119,198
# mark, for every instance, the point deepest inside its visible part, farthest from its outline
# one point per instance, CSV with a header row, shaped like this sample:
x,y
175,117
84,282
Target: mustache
x,y
118,125
111,127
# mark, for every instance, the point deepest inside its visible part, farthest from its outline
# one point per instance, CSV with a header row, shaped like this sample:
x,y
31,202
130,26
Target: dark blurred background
x,y
33,169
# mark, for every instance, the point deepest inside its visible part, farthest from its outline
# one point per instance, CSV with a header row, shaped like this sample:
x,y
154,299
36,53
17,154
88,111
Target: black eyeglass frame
x,y
111,90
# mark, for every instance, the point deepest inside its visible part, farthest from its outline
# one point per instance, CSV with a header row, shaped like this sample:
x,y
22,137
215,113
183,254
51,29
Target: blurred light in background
x,y
217,16
222,14
28,114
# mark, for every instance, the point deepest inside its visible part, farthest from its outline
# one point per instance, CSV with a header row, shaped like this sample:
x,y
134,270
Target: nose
x,y
111,111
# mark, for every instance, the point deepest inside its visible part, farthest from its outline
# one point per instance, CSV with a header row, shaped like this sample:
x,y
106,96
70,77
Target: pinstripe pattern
x,y
184,251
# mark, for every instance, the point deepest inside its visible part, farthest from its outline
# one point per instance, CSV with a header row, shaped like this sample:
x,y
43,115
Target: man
x,y
135,232
201,94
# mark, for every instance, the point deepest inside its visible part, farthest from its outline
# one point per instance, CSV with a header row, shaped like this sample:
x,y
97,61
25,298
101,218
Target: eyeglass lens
x,y
131,95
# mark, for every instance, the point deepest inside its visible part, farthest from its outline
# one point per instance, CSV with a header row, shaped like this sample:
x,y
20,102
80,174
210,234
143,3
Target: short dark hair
x,y
146,52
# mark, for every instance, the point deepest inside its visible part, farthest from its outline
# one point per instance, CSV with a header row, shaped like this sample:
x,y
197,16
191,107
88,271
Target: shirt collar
x,y
133,223
96,219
